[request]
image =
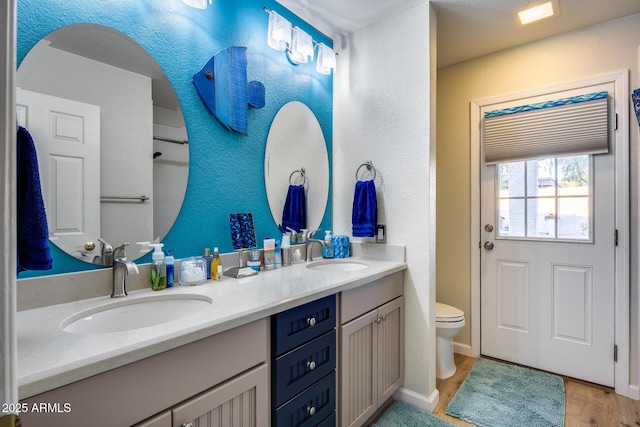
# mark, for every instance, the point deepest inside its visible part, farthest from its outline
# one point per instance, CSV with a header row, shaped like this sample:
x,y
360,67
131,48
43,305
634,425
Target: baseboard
x,y
418,400
634,392
463,349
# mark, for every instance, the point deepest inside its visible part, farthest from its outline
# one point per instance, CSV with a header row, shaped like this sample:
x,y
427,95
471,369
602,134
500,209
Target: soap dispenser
x,y
158,269
327,249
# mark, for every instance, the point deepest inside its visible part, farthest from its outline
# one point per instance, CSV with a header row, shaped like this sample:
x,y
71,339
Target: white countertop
x,y
49,357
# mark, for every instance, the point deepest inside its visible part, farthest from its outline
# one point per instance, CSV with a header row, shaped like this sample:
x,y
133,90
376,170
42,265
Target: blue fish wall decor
x,y
223,87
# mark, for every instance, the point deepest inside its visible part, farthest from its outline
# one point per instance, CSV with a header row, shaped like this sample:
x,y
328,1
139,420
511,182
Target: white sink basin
x,y
134,313
337,265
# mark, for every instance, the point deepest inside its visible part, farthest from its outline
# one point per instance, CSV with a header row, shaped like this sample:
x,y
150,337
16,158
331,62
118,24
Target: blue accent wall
x,y
226,169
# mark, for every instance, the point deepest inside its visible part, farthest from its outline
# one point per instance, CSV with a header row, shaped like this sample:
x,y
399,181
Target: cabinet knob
x,y
311,410
378,320
311,321
311,365
188,425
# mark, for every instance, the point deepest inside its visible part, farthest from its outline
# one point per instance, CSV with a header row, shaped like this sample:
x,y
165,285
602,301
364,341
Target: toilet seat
x,y
448,314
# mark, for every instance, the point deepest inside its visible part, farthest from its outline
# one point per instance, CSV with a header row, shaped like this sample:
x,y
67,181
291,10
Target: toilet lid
x,y
447,313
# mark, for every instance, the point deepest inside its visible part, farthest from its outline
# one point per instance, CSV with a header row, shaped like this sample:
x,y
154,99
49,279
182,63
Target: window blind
x,y
562,127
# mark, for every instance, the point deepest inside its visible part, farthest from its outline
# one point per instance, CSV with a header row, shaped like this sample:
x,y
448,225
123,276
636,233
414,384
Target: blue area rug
x,y
497,394
401,414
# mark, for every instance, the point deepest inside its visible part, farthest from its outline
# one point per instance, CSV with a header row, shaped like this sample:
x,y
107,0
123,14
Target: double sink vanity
x,y
303,345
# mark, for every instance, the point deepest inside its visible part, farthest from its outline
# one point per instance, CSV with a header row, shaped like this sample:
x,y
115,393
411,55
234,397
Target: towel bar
x,y
302,173
116,199
369,165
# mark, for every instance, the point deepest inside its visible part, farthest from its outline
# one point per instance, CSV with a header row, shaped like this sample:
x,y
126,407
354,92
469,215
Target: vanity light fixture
x,y
538,12
198,4
326,59
301,46
279,32
298,44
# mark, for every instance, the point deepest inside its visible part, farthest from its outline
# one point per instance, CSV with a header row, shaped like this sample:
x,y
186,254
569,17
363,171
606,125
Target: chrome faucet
x,y
121,267
106,254
308,245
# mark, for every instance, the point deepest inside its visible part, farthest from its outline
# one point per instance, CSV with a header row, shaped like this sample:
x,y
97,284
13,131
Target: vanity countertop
x,y
49,357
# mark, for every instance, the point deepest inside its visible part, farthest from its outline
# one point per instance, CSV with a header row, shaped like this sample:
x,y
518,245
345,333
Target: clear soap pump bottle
x,y
158,268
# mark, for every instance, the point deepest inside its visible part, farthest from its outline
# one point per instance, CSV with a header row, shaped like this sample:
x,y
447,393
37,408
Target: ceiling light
x,y
538,12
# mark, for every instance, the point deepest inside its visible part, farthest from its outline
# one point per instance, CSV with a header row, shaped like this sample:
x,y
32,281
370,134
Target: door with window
x,y
548,263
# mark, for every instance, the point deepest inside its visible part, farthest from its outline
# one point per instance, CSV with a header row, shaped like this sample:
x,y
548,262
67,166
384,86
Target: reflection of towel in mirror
x,y
364,217
294,214
34,252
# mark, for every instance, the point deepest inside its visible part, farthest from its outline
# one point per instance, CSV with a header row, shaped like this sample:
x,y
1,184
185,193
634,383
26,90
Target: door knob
x,y
488,245
488,228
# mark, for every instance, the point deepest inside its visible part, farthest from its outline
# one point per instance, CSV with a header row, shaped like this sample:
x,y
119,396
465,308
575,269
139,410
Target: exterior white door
x,y
67,137
547,264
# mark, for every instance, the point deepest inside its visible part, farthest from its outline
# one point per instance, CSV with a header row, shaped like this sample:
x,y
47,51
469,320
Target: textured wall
x,y
226,173
382,113
597,50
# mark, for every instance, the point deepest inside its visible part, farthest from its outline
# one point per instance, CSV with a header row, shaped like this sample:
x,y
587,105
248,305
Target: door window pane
x,y
545,199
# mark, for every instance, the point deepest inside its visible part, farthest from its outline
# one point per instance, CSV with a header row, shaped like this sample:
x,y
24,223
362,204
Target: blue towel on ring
x,y
364,217
294,214
34,252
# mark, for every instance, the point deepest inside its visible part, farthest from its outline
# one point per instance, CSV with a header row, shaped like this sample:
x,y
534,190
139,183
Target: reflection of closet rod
x,y
174,141
118,199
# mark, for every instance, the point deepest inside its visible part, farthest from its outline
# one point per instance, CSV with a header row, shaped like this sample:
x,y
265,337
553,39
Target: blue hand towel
x,y
34,252
364,217
294,214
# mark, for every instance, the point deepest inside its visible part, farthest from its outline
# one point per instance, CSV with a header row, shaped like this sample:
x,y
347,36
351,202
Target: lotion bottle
x,y
215,262
207,262
158,272
169,262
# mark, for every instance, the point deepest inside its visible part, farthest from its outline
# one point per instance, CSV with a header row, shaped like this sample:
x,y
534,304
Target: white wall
x,y
383,107
600,49
126,130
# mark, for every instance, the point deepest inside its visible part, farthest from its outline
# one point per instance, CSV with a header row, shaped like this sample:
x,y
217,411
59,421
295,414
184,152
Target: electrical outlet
x,y
381,235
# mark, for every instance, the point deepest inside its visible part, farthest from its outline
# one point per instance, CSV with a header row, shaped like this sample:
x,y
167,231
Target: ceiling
x,y
466,28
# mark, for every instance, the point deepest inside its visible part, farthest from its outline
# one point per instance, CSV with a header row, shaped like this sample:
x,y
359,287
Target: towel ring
x,y
301,171
369,165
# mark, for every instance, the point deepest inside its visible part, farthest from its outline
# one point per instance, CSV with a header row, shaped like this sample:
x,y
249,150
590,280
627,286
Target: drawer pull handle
x,y
311,410
311,365
311,321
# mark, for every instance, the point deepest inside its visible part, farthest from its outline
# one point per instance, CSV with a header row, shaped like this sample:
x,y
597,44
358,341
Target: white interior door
x,y
548,265
67,137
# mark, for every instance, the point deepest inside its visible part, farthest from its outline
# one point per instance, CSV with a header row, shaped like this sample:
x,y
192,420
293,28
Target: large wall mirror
x,y
111,139
295,142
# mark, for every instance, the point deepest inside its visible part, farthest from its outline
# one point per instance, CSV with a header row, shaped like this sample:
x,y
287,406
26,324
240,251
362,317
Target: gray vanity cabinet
x,y
371,337
222,377
240,402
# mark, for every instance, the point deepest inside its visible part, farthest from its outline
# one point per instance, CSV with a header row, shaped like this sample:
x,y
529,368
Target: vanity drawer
x,y
299,325
298,369
330,421
311,407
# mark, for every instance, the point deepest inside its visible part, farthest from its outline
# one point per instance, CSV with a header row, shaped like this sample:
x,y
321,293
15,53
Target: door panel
x,y
67,136
547,266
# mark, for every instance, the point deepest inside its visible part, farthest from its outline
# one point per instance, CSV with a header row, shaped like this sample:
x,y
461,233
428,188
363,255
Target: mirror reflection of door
x,y
68,139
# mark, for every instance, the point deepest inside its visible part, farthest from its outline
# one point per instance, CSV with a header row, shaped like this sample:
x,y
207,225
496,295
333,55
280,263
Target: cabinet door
x,y
390,324
358,376
241,402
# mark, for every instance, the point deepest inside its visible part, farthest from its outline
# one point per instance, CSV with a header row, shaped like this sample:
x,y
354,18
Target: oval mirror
x,y
111,139
296,142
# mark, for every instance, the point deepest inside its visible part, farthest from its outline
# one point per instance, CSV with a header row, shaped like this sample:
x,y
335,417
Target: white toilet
x,y
449,322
